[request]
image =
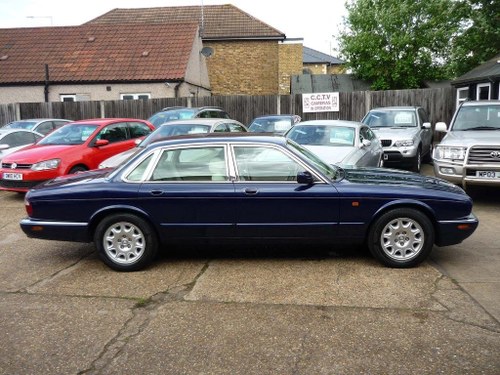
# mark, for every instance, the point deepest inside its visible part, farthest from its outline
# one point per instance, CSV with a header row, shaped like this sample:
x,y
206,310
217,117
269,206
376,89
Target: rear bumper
x,y
452,232
53,230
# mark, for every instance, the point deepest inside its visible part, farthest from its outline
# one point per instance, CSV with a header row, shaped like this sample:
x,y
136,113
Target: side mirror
x,y
4,146
101,142
365,143
441,127
426,125
305,178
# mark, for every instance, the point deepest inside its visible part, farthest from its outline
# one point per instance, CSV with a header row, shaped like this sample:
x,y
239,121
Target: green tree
x,y
479,39
398,44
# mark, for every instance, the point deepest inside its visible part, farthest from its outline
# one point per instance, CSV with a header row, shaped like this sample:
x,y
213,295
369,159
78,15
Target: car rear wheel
x,y
125,242
401,238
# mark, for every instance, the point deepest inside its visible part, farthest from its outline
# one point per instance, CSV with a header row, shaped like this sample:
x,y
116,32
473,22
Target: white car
x,y
339,142
12,140
469,154
178,127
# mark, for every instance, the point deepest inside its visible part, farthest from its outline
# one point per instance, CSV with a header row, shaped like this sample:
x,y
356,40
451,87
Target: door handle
x,y
251,191
156,192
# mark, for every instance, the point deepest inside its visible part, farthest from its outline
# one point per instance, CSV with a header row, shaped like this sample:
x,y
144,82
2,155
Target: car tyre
x,y
77,169
417,162
401,238
125,242
428,156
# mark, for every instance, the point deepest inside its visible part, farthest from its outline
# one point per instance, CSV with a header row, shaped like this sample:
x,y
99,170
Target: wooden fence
x,y
440,104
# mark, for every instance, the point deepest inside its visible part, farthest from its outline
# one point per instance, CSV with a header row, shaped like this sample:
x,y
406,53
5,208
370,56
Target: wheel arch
x,y
413,204
119,209
78,164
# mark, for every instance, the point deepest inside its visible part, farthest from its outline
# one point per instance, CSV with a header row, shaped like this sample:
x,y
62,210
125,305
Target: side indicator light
x,y
463,226
37,228
355,204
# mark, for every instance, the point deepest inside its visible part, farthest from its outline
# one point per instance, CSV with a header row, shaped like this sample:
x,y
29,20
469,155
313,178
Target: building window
x,y
135,96
483,91
462,95
68,97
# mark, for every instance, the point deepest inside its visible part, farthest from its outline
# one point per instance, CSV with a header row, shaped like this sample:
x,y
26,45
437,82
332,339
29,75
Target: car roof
x,y
200,121
242,137
40,120
396,108
469,103
195,109
4,131
105,121
275,115
352,124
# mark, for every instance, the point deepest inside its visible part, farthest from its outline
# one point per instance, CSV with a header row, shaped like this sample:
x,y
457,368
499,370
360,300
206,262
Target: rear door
x,y
189,194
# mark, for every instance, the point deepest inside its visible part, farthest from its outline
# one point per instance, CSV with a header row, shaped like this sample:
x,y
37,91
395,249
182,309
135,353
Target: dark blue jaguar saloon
x,y
241,188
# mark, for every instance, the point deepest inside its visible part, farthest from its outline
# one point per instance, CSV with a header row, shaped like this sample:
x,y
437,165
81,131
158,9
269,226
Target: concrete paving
x,y
241,311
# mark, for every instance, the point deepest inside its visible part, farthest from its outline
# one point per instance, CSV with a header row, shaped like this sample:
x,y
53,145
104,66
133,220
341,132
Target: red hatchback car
x,y
74,147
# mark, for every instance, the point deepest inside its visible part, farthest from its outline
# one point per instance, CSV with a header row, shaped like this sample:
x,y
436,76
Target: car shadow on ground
x,y
261,251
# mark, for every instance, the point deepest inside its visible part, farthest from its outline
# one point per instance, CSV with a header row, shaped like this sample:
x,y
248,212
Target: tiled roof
x,y
220,21
96,53
311,56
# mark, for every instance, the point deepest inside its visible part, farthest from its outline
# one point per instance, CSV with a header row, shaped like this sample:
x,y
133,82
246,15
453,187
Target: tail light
x,y
28,206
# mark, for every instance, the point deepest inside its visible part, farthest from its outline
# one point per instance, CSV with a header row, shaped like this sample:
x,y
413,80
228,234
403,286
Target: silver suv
x,y
405,133
470,151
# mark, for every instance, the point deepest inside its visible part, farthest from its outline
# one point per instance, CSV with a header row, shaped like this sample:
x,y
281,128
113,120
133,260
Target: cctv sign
x,y
320,102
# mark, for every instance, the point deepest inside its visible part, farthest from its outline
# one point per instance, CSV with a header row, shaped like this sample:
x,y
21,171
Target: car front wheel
x,y
401,238
125,242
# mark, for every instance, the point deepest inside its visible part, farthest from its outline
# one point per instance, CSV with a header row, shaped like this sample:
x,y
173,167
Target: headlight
x,y
452,153
47,164
404,143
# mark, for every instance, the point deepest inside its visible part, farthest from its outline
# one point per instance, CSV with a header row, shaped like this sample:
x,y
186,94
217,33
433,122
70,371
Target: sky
x,y
317,22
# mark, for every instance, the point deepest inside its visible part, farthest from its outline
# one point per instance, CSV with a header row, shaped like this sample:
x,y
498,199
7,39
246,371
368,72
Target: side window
x,y
221,128
204,114
192,164
114,133
10,140
235,128
423,116
138,129
257,163
137,173
366,133
45,127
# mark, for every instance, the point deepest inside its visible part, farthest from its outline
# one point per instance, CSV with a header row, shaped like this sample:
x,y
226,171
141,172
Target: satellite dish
x,y
207,51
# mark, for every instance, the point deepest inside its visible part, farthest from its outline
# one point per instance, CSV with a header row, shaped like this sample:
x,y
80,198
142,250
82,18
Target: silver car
x,y
178,127
405,133
40,125
469,154
12,140
339,142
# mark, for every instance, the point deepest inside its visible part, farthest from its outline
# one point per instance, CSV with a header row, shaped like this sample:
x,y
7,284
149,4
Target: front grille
x,y
386,142
18,166
8,184
484,155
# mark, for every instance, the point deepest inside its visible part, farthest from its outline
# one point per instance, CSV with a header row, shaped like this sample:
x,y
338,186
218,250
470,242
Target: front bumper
x,y
452,232
468,174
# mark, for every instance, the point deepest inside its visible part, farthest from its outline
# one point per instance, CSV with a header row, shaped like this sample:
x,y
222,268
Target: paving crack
x,y
143,313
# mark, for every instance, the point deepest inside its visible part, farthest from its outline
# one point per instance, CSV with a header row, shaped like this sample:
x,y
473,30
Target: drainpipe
x,y
46,88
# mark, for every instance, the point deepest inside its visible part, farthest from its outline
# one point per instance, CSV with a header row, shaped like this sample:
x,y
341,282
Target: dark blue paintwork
x,y
339,210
